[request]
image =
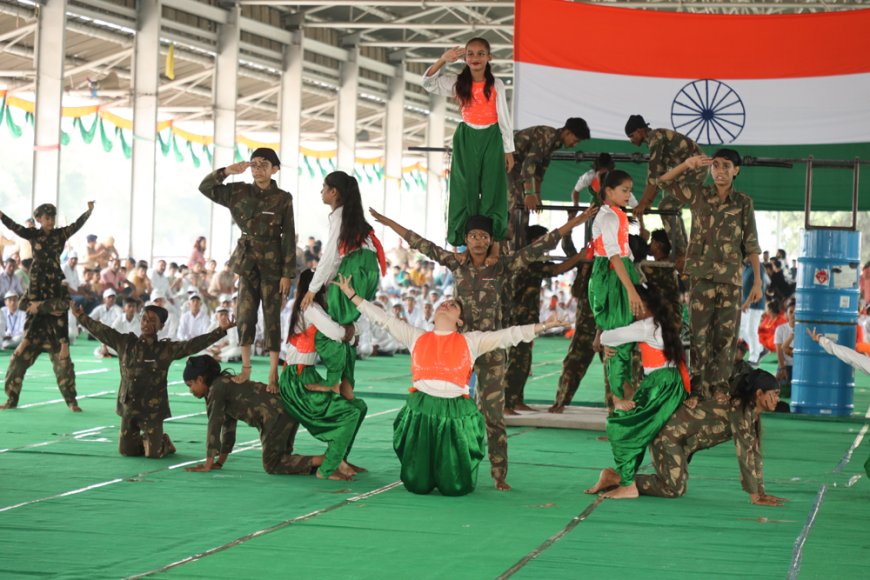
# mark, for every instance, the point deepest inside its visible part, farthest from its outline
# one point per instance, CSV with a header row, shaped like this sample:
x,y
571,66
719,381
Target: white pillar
x,y
225,96
146,81
50,52
436,185
393,146
290,111
346,119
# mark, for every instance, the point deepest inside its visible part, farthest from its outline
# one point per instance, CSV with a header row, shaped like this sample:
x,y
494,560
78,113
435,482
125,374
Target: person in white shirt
x,y
9,282
159,280
12,320
784,351
127,323
170,327
413,313
71,273
226,349
195,321
428,317
107,312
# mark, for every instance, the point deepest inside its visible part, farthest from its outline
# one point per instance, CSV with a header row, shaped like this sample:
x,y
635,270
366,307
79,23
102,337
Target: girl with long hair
x,y
312,399
612,294
483,144
351,249
665,384
710,423
439,435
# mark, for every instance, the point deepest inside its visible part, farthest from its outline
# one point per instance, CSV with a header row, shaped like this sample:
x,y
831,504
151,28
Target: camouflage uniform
x,y
143,403
264,254
480,290
532,149
580,353
664,280
690,430
523,301
46,277
228,402
44,330
667,149
722,233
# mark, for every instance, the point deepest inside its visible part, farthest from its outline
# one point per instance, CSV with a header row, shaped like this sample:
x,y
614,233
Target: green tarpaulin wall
x,y
771,188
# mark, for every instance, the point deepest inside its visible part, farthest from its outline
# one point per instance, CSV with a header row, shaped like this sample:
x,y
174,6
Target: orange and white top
x,y
446,379
610,232
300,344
649,335
478,115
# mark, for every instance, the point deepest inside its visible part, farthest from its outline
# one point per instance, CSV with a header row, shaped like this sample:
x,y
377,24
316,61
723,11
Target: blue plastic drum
x,y
827,300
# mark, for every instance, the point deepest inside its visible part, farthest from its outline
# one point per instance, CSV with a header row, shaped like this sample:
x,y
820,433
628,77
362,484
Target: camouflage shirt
x,y
228,402
532,149
523,298
46,276
723,232
711,423
268,241
667,149
144,363
580,286
480,289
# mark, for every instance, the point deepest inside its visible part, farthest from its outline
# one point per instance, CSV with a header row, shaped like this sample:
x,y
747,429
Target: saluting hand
x,y
453,54
237,168
697,161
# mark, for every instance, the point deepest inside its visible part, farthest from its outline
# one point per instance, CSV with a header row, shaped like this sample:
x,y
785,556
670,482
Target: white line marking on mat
x,y
53,401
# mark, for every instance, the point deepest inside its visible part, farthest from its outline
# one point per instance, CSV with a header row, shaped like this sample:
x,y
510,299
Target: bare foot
x,y
623,404
622,492
557,409
357,468
8,406
502,485
607,479
523,407
509,411
336,476
244,375
74,407
168,447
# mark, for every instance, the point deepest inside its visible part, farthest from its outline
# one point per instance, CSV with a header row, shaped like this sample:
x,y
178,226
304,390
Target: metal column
x,y
50,52
394,130
290,111
346,119
225,96
146,80
436,185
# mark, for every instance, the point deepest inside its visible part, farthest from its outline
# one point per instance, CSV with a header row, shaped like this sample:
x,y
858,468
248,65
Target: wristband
x,y
352,297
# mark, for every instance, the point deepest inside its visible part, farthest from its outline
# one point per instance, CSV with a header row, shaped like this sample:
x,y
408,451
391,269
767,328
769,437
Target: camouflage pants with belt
x,y
64,371
490,369
715,321
253,290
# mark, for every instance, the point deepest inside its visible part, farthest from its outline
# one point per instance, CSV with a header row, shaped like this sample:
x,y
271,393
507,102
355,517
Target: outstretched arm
x,y
17,229
419,243
401,330
71,229
98,330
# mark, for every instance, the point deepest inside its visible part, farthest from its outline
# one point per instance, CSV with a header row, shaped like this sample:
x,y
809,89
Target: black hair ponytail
x,y
667,319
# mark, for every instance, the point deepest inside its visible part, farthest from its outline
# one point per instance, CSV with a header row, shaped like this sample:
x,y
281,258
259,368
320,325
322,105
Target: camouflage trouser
x,y
64,371
518,367
143,436
674,226
580,355
670,459
715,320
278,457
252,291
490,369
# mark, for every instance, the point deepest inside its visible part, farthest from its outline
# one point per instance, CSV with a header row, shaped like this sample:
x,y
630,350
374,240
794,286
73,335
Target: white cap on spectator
x,y
225,298
221,309
108,292
158,294
193,295
10,294
71,255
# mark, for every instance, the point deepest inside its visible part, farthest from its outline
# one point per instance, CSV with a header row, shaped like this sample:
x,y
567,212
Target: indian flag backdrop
x,y
766,85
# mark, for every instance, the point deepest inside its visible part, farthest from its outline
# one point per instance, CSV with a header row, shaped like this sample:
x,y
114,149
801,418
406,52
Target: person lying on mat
x,y
707,425
439,435
228,401
143,402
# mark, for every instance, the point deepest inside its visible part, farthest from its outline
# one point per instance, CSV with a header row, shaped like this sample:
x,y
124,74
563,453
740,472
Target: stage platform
x,y
71,507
